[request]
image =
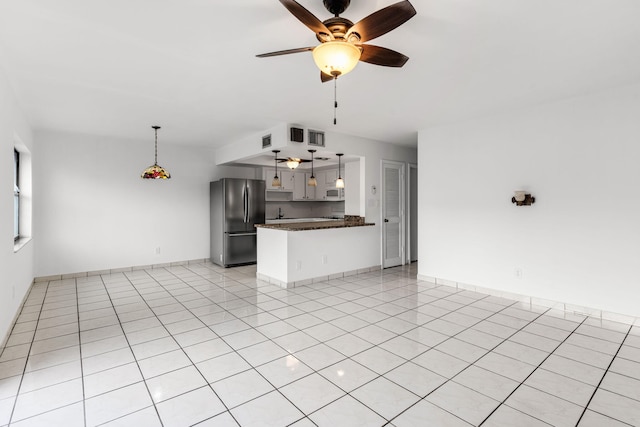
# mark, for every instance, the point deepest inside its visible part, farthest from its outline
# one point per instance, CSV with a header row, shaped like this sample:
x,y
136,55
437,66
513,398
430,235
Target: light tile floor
x,y
214,347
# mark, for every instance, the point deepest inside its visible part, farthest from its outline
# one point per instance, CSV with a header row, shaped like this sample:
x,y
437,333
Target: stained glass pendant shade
x,y
155,171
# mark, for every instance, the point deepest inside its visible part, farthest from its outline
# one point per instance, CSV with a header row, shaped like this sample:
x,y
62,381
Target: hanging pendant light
x,y
339,181
276,180
312,180
155,171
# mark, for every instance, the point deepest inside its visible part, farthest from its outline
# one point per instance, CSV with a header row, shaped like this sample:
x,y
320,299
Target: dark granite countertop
x,y
349,221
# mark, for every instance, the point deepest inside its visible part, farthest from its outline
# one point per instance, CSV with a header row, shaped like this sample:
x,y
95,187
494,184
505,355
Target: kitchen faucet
x,y
280,214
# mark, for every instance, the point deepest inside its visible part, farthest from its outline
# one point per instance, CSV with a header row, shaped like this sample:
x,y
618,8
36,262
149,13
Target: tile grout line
x,y
134,356
603,376
404,363
15,403
398,291
84,397
531,373
314,371
469,364
227,409
252,367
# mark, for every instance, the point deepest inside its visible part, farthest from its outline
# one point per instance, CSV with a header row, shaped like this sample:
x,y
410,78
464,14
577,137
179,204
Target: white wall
x,y
354,204
16,268
579,243
94,212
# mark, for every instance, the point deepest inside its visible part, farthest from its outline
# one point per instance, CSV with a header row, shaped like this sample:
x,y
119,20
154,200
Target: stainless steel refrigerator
x,y
236,205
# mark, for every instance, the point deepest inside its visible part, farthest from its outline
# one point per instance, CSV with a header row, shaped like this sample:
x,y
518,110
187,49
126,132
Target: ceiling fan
x,y
294,162
342,43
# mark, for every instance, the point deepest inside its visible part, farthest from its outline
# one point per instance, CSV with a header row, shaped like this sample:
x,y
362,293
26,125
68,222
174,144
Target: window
x,y
16,195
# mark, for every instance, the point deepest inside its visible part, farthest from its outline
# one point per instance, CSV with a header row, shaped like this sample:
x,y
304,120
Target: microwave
x,y
334,193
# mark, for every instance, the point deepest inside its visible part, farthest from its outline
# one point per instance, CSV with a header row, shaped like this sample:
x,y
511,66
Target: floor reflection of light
x,y
340,372
292,363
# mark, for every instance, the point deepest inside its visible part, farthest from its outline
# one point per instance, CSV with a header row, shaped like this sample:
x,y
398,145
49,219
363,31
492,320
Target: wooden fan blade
x,y
383,21
306,17
286,52
324,77
382,56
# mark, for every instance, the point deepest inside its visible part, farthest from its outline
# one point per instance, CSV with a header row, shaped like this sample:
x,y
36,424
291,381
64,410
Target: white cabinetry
x,y
321,188
286,179
301,191
331,176
326,180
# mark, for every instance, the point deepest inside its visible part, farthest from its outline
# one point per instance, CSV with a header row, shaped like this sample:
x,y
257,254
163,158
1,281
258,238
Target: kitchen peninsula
x,y
300,253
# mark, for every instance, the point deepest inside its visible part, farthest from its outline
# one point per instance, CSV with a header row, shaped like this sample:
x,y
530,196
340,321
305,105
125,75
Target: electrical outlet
x,y
324,259
158,250
518,273
298,265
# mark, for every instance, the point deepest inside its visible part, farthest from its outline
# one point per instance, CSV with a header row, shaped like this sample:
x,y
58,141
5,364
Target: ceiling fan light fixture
x,y
293,163
337,57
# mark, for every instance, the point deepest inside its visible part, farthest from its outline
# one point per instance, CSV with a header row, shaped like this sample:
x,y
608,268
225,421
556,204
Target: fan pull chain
x,y
335,99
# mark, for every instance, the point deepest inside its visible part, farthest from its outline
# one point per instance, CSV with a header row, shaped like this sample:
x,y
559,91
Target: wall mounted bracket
x,y
527,201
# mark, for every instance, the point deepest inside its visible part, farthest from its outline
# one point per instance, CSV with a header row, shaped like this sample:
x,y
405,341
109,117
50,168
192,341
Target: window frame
x,y
16,195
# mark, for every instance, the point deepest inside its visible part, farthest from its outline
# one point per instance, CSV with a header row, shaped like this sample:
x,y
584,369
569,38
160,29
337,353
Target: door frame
x,y
410,205
403,216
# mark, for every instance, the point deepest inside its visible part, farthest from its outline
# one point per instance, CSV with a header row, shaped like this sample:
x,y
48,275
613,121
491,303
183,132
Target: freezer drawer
x,y
240,248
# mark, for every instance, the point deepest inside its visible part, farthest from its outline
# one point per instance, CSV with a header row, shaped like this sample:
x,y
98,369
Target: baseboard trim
x,y
15,318
117,270
295,284
532,300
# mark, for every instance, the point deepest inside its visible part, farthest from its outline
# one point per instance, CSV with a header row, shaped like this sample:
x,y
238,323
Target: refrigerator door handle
x,y
244,203
241,234
248,205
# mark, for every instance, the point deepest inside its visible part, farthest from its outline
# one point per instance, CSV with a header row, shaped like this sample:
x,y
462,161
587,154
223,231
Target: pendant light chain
x,y
335,99
156,153
275,182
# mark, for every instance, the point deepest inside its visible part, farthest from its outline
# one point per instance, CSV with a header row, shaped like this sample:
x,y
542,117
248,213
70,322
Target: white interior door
x,y
392,214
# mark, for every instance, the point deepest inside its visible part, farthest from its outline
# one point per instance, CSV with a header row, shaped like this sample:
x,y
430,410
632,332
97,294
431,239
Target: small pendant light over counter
x,y
276,180
155,171
312,180
339,181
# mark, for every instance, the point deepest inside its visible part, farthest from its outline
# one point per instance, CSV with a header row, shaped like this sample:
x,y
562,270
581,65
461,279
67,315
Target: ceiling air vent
x,y
316,138
266,141
297,135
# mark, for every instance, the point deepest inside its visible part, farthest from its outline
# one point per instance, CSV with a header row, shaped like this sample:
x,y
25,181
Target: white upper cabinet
x,y
320,189
301,191
331,176
286,179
